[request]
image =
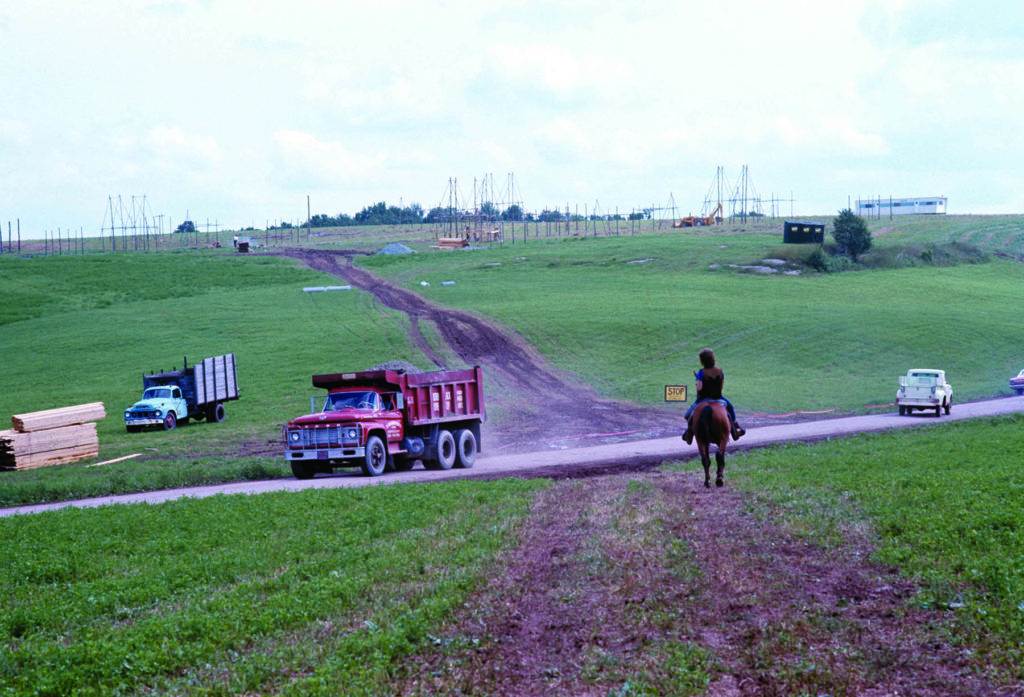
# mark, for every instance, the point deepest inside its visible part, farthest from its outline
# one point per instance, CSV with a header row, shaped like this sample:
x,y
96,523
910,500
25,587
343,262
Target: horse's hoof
x,y
719,482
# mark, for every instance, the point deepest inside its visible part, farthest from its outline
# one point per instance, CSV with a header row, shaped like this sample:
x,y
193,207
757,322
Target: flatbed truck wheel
x,y
215,413
376,459
466,448
170,421
303,470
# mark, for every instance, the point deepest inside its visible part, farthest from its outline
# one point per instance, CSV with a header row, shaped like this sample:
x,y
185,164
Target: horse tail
x,y
704,422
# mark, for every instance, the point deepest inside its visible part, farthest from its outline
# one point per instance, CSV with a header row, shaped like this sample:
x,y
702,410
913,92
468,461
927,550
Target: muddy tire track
x,y
786,616
540,405
777,614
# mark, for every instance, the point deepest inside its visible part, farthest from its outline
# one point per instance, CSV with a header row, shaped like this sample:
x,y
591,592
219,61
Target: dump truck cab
x,y
340,431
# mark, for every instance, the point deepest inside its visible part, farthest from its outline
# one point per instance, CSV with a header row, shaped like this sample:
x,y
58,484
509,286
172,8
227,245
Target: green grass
x,y
946,506
84,329
815,341
320,592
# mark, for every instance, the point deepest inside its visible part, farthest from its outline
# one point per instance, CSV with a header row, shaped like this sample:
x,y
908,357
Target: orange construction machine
x,y
699,221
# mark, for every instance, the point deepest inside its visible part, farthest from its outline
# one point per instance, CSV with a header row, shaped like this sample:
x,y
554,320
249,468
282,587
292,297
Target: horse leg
x,y
720,462
705,459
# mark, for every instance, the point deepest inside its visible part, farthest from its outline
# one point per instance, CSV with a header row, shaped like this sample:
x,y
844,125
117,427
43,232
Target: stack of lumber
x,y
452,242
51,437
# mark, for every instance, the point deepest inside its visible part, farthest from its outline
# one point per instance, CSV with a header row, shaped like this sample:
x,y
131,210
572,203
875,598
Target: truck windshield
x,y
157,393
352,400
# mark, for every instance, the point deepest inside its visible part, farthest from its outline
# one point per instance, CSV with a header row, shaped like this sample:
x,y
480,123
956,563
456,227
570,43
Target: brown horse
x,y
710,423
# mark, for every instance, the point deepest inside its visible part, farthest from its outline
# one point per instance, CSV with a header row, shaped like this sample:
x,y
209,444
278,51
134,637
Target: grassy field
x,y
944,504
83,329
629,315
320,592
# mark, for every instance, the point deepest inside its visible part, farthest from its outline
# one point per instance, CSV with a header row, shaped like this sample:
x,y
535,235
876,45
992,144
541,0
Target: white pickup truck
x,y
924,389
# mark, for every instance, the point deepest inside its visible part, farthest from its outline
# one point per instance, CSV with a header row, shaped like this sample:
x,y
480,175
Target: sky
x,y
235,110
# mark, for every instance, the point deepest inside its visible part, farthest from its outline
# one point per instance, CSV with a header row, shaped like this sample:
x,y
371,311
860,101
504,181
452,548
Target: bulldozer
x,y
714,218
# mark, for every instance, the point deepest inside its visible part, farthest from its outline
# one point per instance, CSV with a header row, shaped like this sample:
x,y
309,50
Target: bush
x,y
851,234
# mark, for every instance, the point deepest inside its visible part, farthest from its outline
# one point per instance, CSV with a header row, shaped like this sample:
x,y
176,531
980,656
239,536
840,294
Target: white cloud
x,y
310,159
172,143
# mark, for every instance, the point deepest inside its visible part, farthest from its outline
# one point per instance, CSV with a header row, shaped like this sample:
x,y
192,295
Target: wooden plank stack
x,y
51,437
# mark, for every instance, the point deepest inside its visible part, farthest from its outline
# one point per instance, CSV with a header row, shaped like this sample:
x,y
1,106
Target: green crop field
x,y
629,314
84,329
945,505
320,592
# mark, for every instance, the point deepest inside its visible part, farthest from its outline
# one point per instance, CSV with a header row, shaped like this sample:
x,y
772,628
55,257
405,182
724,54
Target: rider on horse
x,y
710,380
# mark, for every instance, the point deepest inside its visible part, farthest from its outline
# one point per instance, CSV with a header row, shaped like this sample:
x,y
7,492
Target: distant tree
x,y
187,226
513,213
851,234
636,216
549,215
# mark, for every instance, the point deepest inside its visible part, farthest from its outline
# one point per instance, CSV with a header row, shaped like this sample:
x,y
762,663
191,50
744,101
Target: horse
x,y
710,424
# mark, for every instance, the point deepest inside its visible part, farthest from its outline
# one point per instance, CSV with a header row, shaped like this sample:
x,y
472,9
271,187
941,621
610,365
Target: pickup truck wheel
x,y
466,454
446,450
303,470
376,459
170,421
215,413
949,407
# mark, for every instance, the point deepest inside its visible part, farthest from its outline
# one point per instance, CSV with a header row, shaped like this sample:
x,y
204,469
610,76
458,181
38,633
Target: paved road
x,y
563,463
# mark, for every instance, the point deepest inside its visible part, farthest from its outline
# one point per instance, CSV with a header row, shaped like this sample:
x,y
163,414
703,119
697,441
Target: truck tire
x,y
949,407
903,411
303,470
215,413
376,459
466,448
446,450
938,411
170,421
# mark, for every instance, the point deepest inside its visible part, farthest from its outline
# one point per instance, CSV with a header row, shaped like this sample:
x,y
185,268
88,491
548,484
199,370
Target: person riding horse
x,y
710,381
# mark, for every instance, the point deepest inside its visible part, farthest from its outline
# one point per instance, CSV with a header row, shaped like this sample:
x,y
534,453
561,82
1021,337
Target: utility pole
x,y
308,217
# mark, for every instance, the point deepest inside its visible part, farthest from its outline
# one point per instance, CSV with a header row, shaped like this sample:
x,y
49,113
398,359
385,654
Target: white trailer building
x,y
883,207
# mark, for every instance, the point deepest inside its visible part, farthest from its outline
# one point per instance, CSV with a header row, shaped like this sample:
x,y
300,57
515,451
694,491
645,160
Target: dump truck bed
x,y
429,398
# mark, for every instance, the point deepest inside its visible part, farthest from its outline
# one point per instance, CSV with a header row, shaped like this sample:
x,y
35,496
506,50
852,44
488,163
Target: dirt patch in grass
x,y
650,584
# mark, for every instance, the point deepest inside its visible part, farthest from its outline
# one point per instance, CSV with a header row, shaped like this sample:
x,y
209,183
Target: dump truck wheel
x,y
170,421
215,414
303,470
376,459
446,450
466,453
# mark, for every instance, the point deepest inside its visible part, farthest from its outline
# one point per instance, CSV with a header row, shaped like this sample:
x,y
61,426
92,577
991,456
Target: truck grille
x,y
326,437
138,414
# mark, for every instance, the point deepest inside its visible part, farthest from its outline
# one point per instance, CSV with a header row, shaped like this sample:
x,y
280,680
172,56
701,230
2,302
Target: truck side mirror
x,y
903,381
399,401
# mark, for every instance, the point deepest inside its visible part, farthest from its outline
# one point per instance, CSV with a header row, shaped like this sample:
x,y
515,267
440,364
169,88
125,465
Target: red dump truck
x,y
388,419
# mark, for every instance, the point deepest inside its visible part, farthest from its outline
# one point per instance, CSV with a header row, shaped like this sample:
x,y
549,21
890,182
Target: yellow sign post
x,y
675,393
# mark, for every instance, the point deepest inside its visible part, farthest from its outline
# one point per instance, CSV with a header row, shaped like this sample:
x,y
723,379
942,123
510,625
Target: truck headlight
x,y
351,434
127,414
294,436
159,413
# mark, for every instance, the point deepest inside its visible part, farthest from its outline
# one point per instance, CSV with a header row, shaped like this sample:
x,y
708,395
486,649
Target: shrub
x,y
851,234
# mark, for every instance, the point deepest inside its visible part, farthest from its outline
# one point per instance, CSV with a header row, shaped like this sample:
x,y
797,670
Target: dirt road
x,y
571,462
